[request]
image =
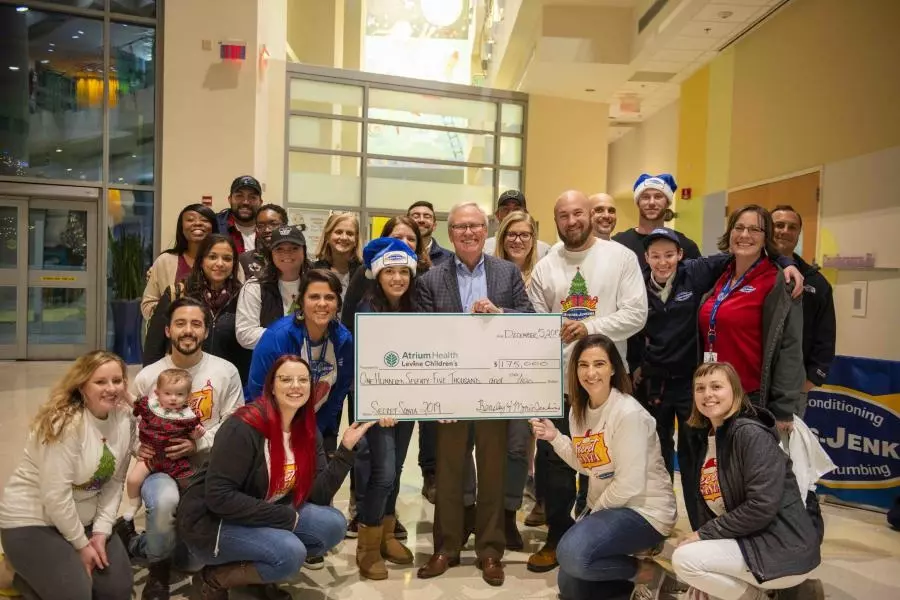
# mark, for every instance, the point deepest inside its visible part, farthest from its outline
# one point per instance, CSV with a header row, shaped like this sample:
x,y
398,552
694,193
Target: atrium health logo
x,y
392,359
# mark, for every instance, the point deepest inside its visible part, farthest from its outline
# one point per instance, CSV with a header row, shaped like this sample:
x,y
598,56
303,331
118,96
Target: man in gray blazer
x,y
470,282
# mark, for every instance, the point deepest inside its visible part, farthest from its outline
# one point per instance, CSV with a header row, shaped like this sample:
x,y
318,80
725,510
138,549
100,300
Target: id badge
x,y
710,357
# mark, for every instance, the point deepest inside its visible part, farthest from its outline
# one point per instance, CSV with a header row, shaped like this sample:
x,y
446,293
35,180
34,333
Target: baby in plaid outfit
x,y
164,417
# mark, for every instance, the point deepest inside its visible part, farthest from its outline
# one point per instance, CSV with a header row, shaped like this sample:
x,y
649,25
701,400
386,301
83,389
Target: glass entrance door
x,y
48,255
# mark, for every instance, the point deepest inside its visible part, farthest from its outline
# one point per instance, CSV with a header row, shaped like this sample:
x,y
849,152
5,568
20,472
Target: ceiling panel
x,y
707,29
712,12
682,56
683,42
664,65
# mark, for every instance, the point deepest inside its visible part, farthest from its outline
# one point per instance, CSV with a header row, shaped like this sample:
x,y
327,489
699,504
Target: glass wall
x,y
78,106
374,144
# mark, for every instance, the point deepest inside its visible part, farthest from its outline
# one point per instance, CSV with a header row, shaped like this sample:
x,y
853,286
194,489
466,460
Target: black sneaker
x,y
314,562
400,531
353,528
126,532
156,586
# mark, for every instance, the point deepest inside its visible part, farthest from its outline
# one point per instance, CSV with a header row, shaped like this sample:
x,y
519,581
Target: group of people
x,y
249,362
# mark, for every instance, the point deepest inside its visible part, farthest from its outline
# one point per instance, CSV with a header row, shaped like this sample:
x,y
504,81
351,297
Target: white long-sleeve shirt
x,y
249,306
73,482
216,392
618,448
601,286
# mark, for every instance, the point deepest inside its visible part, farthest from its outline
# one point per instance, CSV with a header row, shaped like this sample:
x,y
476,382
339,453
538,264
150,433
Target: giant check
x,y
458,366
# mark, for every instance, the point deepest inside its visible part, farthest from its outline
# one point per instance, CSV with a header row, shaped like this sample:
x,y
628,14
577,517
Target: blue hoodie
x,y
335,372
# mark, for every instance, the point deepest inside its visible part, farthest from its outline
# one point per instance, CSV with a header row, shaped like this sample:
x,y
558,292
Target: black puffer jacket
x,y
234,485
778,532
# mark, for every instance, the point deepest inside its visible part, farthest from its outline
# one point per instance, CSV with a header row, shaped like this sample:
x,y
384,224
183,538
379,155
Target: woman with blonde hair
x,y
518,242
59,505
339,247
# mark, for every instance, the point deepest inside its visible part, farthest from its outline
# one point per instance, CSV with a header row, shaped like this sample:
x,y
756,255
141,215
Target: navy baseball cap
x,y
661,233
511,196
288,234
246,181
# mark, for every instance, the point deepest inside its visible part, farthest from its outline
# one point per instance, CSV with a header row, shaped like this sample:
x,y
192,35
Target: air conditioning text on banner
x,y
856,416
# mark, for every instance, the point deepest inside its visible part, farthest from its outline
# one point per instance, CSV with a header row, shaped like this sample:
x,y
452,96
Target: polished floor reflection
x,y
861,554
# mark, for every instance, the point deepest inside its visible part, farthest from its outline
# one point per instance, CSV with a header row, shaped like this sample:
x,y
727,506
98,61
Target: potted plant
x,y
127,266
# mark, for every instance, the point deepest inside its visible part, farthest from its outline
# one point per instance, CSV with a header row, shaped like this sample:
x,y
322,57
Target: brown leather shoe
x,y
437,565
543,560
491,570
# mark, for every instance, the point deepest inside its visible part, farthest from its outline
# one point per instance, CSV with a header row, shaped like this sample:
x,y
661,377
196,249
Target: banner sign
x,y
856,416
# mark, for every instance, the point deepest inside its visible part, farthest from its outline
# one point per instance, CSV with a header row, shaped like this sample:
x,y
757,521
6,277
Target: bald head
x,y
603,215
572,214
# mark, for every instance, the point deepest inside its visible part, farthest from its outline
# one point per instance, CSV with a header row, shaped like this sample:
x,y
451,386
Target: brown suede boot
x,y
368,552
213,582
391,549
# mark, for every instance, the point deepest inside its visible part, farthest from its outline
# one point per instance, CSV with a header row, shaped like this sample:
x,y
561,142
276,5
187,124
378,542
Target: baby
x,y
163,418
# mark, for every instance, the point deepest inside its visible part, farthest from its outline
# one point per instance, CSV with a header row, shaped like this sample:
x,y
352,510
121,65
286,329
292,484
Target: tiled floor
x,y
861,554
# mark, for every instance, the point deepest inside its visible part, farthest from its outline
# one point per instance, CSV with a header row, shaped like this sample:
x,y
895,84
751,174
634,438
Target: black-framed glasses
x,y
523,237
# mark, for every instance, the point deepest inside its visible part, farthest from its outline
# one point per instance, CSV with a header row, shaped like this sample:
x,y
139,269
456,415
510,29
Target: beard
x,y
575,239
177,345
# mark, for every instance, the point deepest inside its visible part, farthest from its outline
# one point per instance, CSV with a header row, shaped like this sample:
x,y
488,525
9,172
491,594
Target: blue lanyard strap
x,y
727,289
313,372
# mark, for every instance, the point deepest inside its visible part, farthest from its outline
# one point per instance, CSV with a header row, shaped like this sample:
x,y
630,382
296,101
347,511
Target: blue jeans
x,y
387,453
595,551
161,495
278,553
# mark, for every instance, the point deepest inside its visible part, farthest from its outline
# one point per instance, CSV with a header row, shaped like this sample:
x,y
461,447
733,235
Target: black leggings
x,y
48,567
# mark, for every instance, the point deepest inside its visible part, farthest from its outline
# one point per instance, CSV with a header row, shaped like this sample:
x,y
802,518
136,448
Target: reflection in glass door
x,y
48,258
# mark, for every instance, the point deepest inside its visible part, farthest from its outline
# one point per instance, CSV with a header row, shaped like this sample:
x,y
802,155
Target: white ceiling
x,y
686,35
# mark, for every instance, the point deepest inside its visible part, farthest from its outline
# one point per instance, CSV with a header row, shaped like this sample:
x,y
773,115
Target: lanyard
x,y
720,299
314,373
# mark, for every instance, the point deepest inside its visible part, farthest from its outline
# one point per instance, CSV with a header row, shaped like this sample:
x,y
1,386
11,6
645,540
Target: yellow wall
x,y
816,83
566,149
692,151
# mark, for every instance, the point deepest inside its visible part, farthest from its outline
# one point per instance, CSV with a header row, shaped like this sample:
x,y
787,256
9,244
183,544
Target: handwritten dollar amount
x,y
527,363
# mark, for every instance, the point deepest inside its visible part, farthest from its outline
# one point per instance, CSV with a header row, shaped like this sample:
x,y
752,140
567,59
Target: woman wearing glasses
x,y
517,243
750,321
262,505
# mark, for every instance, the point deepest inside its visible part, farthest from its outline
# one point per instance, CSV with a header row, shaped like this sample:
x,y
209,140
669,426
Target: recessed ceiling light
x,y
68,170
725,14
50,50
45,61
74,37
590,90
80,32
13,68
59,149
52,44
21,9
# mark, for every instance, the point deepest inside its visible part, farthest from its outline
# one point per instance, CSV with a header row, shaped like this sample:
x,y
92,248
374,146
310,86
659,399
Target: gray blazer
x,y
438,290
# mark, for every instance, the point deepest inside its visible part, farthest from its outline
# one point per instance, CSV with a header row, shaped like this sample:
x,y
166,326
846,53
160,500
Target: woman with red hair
x,y
262,505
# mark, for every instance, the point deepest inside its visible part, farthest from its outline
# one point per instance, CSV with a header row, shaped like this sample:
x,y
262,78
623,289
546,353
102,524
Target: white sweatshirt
x,y
617,446
249,305
216,392
601,286
73,482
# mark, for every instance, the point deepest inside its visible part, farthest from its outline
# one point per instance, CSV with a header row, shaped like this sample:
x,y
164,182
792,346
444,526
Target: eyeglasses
x,y
270,226
462,227
289,379
752,229
523,237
